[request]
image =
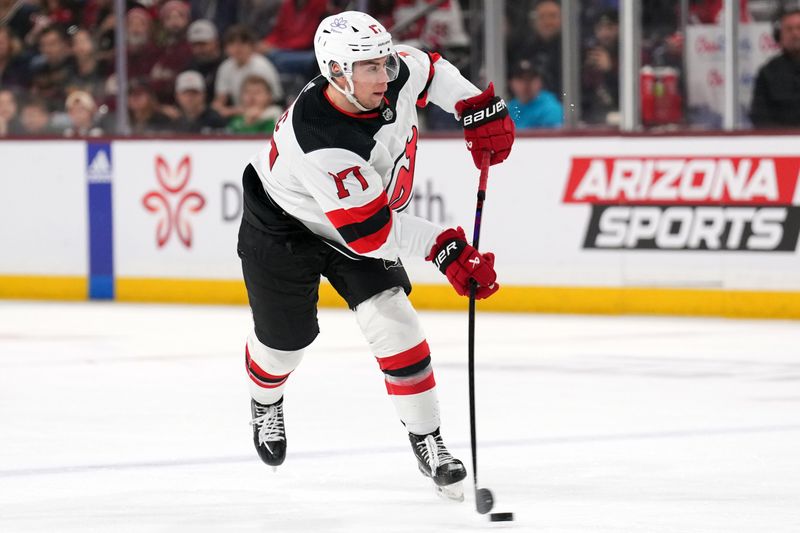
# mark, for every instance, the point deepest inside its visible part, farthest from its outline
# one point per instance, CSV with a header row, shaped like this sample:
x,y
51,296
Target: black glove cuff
x,y
474,118
448,252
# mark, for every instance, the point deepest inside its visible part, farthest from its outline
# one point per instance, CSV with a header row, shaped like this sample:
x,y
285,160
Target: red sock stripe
x,y
404,390
259,376
406,358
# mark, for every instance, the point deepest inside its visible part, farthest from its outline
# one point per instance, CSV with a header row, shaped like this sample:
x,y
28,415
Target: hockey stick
x,y
484,501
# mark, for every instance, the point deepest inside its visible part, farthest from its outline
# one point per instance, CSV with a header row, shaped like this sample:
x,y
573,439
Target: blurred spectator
x,y
710,11
18,16
259,113
243,61
206,54
600,74
290,45
222,14
143,109
13,69
54,67
259,16
9,122
81,109
97,17
60,12
175,51
542,46
776,96
87,75
195,115
34,117
142,49
51,13
439,30
591,10
531,105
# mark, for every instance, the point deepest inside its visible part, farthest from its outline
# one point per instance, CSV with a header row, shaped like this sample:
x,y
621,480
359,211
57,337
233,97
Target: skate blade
x,y
451,493
275,469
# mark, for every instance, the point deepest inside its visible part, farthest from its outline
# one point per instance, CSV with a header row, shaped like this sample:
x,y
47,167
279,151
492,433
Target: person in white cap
x,y
327,197
206,54
81,110
195,115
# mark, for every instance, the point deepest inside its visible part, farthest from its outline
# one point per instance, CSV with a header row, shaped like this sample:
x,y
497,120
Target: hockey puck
x,y
501,517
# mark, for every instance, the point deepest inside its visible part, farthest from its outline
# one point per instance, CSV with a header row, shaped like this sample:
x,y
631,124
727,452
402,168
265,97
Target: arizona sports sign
x,y
717,203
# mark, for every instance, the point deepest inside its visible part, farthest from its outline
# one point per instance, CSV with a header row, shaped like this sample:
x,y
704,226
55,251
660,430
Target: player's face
x,y
371,81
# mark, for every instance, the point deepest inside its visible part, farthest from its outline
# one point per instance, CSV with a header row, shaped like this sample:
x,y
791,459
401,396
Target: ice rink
x,y
134,418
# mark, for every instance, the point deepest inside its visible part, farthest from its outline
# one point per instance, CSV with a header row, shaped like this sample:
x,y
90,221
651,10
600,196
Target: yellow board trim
x,y
592,300
44,287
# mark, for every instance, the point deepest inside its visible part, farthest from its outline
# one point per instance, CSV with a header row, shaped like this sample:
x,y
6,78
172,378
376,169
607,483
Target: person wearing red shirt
x,y
290,44
710,12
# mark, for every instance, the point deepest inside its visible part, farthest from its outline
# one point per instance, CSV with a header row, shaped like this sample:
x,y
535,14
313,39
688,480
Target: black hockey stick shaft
x,y
476,234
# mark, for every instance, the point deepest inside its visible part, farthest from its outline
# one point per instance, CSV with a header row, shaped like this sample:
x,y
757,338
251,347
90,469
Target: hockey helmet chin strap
x,y
349,92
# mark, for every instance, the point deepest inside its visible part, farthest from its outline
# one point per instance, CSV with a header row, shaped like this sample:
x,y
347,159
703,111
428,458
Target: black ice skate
x,y
269,433
435,462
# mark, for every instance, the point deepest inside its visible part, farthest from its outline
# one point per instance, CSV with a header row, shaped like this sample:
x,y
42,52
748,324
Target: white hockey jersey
x,y
348,177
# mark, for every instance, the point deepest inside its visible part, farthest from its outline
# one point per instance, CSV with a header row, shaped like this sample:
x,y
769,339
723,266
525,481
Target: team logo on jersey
x,y
392,263
689,203
400,187
172,202
387,114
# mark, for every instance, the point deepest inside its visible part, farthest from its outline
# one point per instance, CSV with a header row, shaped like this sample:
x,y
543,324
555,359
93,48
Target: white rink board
x,y
43,213
211,252
538,237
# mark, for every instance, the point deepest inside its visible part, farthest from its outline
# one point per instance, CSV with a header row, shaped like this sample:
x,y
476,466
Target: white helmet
x,y
349,37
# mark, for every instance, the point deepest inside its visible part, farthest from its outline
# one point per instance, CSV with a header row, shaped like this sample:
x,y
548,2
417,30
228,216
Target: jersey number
x,y
339,178
273,149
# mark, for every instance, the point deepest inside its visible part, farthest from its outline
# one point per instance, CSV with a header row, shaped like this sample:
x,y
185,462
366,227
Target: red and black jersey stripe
x,y
364,228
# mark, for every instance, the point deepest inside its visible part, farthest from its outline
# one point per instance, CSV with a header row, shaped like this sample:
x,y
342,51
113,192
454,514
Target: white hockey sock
x,y
419,412
268,370
395,337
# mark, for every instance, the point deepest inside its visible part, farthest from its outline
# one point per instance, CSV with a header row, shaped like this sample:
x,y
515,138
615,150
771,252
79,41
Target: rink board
x,y
672,225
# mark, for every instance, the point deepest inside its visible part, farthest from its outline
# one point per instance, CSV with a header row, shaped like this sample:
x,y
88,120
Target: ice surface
x,y
134,418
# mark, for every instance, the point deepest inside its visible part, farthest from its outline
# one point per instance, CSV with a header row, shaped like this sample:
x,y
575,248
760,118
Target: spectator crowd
x,y
232,67
193,67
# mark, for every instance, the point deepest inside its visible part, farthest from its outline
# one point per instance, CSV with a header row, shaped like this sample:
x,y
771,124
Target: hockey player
x,y
327,196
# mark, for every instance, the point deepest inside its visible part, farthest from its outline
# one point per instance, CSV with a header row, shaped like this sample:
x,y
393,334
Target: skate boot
x,y
269,433
435,462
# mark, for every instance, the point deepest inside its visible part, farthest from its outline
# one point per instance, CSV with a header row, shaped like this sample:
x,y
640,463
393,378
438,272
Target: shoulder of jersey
x,y
318,125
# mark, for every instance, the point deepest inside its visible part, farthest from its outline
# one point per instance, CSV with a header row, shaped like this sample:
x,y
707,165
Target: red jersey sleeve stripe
x,y
356,215
422,99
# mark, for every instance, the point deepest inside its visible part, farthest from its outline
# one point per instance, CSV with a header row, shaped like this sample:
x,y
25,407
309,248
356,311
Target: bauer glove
x,y
460,262
487,126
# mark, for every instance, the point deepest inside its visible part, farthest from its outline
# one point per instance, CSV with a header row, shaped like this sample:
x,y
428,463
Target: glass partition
x,y
231,68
